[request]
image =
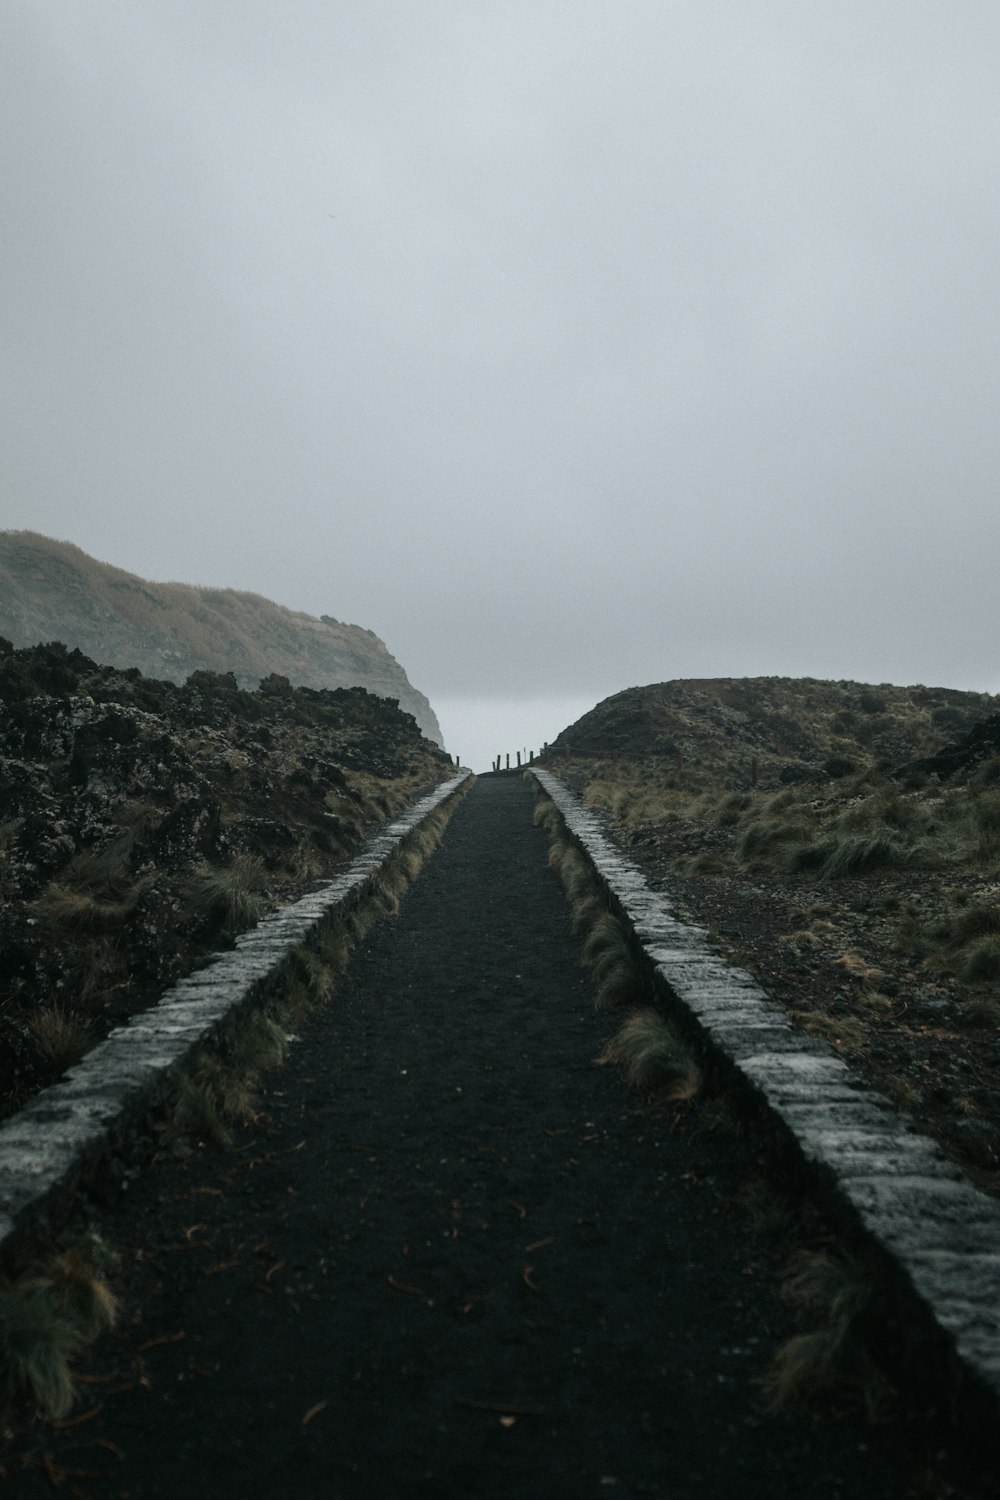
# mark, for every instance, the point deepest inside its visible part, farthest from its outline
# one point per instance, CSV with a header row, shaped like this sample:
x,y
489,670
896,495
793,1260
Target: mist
x,y
565,346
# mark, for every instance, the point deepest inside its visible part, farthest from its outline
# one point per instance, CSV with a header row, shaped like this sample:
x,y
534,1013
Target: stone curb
x,y
89,1128
938,1237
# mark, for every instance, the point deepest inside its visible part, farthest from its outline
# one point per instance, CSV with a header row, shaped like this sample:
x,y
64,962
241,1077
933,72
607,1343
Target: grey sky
x,y
566,345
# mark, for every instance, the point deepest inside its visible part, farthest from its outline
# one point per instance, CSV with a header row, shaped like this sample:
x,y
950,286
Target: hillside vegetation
x,y
144,824
52,591
843,842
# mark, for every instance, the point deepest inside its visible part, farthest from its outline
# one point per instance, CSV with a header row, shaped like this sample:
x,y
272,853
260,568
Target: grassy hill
x,y
793,728
842,841
52,591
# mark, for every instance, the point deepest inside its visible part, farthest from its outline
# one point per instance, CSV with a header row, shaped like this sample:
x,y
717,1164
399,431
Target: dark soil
x,y
450,1258
831,954
143,824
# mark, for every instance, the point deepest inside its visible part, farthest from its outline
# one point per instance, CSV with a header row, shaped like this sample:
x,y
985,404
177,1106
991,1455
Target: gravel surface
x,y
450,1258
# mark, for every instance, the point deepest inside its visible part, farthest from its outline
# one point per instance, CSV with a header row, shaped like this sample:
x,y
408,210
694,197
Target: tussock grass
x,y
96,891
768,838
574,871
980,961
980,1014
212,1100
46,1318
730,809
653,1058
838,1295
863,826
259,1044
64,906
61,1037
609,950
856,964
231,896
610,955
964,940
547,815
334,948
311,975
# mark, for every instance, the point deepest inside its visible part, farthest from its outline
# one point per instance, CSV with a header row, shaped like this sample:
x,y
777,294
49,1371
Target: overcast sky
x,y
567,345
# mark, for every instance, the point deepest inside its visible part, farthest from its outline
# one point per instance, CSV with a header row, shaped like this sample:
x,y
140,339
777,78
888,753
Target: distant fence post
x,y
508,760
519,760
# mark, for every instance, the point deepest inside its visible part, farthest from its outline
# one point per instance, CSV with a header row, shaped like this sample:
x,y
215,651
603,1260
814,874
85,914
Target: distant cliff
x,y
52,591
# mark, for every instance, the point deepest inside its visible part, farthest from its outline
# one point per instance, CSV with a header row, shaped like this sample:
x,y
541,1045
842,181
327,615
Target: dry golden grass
x,y
653,1058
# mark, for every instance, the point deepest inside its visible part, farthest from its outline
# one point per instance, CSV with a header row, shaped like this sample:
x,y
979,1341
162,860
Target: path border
x,y
88,1132
887,1187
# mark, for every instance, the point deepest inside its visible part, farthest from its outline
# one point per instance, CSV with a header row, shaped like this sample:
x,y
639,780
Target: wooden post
x,y
519,760
508,760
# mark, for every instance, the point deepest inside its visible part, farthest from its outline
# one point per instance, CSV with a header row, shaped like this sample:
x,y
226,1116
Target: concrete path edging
x,y
893,1188
90,1126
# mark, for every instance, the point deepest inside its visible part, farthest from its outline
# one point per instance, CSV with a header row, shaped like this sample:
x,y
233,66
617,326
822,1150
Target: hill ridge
x,y
53,590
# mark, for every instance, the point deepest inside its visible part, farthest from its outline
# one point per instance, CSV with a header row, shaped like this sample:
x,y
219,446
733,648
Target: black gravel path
x,y
451,1259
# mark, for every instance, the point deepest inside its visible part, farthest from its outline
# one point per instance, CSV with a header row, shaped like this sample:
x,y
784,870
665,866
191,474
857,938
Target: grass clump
x,y
230,896
213,1099
46,1319
609,954
62,1038
980,960
653,1058
837,1294
964,940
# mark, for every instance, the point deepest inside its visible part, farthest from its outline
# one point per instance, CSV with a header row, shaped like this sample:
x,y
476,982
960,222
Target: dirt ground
x,y
830,952
450,1258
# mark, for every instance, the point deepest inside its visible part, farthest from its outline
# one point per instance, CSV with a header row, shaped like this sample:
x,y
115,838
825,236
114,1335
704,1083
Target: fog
x,y
566,345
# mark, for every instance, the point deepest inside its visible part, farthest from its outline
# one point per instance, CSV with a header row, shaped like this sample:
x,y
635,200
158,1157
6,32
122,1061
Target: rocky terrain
x,y
51,591
842,842
144,823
